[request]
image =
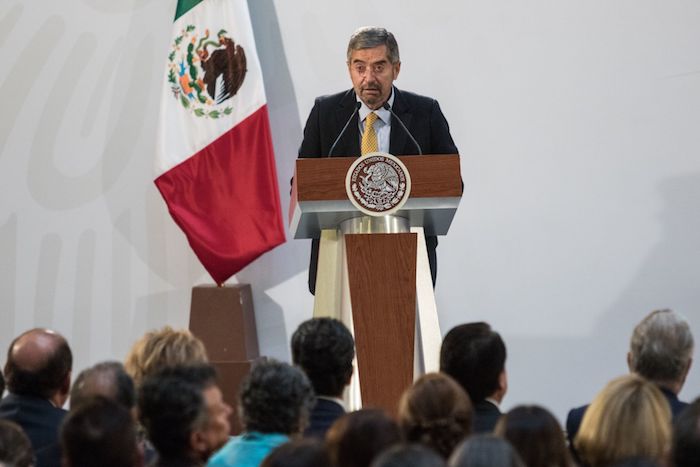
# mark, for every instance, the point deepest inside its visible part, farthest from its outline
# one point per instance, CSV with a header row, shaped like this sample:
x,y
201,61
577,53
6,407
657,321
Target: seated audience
x,y
485,451
686,437
435,412
355,439
475,356
409,455
536,435
184,414
38,373
630,418
661,350
275,401
2,384
107,379
163,348
15,448
324,349
100,432
299,453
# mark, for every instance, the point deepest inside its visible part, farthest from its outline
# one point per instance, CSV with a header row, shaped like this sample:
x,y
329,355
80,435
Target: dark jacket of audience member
x,y
485,451
435,412
184,414
357,438
15,447
686,437
299,453
324,349
100,433
38,372
475,356
536,435
409,455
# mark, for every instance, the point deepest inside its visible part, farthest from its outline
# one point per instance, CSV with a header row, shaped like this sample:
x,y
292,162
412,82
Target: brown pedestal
x,y
224,319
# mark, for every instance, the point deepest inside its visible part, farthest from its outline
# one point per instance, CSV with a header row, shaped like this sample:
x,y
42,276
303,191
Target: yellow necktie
x,y
369,136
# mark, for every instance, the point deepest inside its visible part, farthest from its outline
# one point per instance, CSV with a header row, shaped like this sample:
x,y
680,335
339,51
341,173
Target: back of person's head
x,y
324,349
100,433
686,436
436,412
661,348
39,362
15,447
355,439
275,398
409,455
536,435
475,356
298,453
107,379
629,418
163,348
2,384
173,405
485,451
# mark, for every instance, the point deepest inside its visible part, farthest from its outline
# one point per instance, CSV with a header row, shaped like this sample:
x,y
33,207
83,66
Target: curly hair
x,y
436,412
324,349
275,398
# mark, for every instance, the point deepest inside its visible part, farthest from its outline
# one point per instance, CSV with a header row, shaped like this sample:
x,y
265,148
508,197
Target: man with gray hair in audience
x,y
661,350
106,379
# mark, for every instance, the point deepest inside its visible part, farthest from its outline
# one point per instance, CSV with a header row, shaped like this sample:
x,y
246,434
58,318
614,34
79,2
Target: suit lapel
x,y
349,144
398,136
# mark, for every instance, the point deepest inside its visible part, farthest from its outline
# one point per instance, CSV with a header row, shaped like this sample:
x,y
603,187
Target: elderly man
x,y
373,63
661,350
38,372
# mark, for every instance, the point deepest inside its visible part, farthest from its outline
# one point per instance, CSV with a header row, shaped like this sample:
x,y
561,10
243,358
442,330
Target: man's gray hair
x,y
368,37
661,347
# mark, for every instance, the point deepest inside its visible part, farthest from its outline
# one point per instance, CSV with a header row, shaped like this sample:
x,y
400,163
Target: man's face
x,y
215,433
372,75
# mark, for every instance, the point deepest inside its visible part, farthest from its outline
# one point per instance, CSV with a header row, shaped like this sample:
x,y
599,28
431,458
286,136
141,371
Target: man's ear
x,y
397,68
197,441
65,384
629,361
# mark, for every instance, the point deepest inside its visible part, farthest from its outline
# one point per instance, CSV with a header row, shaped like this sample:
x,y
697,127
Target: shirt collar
x,y
383,114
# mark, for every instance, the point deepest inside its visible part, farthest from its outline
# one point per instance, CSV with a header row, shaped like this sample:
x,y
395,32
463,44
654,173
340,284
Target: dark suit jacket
x,y
421,115
324,413
40,420
486,416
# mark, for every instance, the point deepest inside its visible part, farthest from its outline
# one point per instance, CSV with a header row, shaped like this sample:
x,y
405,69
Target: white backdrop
x,y
577,122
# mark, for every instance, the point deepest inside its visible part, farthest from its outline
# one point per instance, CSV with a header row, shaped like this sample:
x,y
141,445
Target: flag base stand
x,y
224,319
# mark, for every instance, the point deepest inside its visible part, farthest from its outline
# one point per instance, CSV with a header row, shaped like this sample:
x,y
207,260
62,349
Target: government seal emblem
x,y
378,184
205,72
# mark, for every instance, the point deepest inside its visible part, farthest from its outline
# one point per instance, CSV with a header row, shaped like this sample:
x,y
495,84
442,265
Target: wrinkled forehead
x,y
369,56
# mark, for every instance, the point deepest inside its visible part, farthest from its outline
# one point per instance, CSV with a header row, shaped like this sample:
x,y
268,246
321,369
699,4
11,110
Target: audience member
x,y
163,348
299,453
409,455
100,432
628,419
2,385
536,435
355,439
435,412
686,437
661,350
182,409
107,379
38,372
15,447
485,451
275,401
475,356
324,349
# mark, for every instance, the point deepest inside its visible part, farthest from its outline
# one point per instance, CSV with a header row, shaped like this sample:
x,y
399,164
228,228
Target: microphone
x,y
335,143
386,106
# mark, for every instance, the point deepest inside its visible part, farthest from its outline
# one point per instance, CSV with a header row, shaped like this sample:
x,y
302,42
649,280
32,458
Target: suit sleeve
x,y
440,137
311,144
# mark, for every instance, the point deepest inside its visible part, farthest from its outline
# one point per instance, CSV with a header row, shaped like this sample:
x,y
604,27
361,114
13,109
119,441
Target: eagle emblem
x,y
378,184
205,72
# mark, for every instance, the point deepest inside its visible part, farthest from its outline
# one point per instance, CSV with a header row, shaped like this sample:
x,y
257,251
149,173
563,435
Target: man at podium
x,y
375,116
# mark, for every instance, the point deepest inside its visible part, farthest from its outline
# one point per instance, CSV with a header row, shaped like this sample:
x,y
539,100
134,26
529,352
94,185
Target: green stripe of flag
x,y
183,6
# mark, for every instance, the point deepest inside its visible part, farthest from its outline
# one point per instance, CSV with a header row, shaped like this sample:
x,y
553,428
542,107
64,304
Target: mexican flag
x,y
215,165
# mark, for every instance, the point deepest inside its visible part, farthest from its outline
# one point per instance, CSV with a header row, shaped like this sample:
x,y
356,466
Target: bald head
x,y
39,362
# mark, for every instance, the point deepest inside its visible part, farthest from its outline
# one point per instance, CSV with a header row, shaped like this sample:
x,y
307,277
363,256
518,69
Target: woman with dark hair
x,y
536,435
409,455
436,412
355,439
485,451
299,453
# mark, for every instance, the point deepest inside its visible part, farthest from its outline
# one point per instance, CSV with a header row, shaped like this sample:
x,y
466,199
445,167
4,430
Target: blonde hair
x,y
162,348
630,417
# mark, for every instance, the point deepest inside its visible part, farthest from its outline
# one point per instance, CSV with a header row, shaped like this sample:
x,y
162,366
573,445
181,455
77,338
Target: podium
x,y
373,270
